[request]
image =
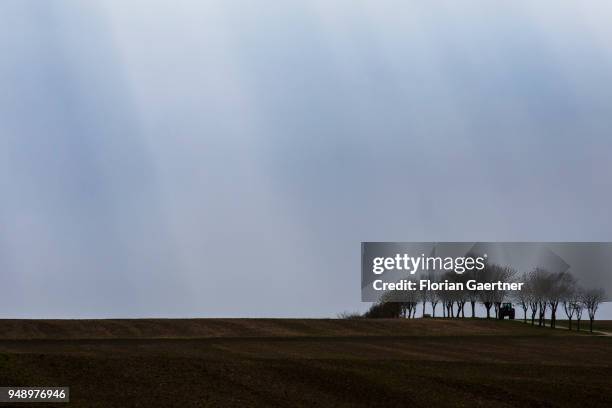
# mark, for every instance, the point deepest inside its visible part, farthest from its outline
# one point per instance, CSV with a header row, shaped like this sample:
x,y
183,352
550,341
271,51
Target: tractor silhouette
x,y
506,310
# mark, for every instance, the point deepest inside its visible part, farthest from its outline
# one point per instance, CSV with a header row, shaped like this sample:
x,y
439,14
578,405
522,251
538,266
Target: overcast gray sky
x,y
226,158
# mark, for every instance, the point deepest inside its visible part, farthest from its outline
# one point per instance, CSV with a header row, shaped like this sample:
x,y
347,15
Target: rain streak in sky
x,y
226,158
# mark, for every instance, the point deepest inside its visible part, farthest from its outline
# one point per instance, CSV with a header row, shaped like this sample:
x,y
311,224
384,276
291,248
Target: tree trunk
x,y
488,307
553,314
591,325
542,317
552,318
473,309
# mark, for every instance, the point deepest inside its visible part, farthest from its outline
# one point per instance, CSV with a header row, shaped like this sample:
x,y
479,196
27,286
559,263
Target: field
x,y
308,362
601,325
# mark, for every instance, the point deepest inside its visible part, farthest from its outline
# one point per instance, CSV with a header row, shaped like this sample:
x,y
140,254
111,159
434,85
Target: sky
x,y
227,158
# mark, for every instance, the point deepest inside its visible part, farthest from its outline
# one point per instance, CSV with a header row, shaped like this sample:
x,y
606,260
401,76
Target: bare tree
x,y
487,299
523,296
442,297
408,309
543,305
446,298
561,286
540,282
503,274
579,308
472,295
427,295
494,298
434,299
571,304
533,301
409,301
424,297
459,296
592,298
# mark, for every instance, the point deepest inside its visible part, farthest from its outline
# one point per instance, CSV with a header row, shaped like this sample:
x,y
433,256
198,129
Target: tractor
x,y
506,310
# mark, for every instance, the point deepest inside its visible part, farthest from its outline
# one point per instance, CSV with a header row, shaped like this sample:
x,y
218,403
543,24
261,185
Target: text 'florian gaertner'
x,y
426,284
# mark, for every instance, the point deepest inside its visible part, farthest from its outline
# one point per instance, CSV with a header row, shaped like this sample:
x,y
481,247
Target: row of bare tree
x,y
454,302
543,292
546,291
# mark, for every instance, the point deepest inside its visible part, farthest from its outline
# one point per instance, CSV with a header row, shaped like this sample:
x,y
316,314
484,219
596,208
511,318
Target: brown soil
x,y
289,363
